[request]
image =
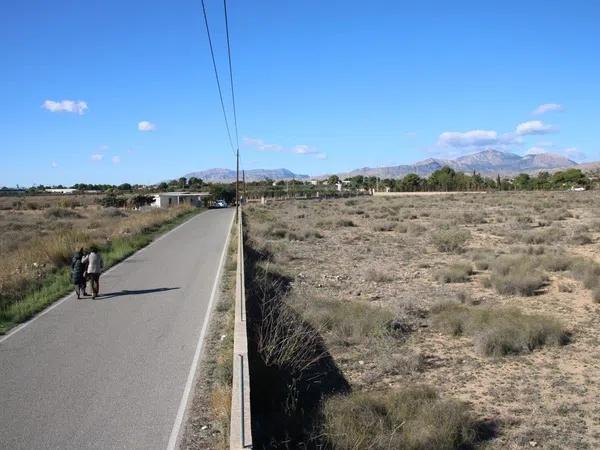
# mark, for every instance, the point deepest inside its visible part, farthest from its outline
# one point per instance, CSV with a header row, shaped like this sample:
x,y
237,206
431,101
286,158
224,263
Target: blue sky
x,y
321,86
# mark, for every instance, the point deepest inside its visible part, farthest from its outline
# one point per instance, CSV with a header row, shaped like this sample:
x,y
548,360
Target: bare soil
x,y
379,251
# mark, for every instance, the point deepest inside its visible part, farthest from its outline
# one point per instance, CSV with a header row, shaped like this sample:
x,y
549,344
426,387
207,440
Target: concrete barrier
x,y
240,430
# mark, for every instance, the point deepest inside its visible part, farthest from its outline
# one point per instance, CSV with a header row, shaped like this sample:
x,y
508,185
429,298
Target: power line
x,y
237,139
212,54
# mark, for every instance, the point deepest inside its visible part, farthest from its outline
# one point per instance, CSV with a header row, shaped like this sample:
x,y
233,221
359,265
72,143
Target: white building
x,y
61,191
169,199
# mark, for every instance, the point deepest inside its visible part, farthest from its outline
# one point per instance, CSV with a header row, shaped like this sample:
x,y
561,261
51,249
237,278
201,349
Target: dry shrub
x,y
414,417
483,259
556,262
457,272
348,321
499,331
452,240
385,227
61,213
517,275
345,223
377,276
587,271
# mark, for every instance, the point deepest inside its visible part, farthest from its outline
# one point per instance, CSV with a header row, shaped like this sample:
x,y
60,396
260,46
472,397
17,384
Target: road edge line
x,y
57,303
185,398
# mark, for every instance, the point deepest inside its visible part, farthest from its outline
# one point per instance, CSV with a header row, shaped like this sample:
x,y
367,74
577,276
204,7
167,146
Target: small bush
x,y
517,275
347,321
61,213
345,223
499,331
458,272
385,227
411,418
556,262
581,238
451,240
377,276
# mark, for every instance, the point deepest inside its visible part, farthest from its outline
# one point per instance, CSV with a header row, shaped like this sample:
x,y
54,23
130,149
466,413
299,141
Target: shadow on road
x,y
125,292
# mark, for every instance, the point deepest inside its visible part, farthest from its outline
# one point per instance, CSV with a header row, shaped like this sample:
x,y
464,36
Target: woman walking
x,y
94,269
77,274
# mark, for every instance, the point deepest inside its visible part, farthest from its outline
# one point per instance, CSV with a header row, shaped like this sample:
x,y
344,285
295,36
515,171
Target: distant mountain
x,y
488,162
228,176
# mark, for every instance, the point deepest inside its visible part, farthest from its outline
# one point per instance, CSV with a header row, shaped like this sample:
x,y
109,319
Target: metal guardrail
x,y
240,430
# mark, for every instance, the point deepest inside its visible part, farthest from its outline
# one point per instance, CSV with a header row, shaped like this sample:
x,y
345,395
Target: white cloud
x,y
144,125
534,127
547,107
261,145
97,157
72,106
54,164
300,149
116,159
476,138
304,150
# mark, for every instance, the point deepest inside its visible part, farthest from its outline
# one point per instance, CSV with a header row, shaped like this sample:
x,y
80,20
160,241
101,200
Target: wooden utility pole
x,y
244,184
237,182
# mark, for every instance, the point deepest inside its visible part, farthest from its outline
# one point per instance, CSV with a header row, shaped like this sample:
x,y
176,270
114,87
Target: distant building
x,y
61,191
169,199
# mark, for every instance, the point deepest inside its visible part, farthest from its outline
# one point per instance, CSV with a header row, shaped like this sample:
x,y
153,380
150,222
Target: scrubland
x,y
427,321
39,235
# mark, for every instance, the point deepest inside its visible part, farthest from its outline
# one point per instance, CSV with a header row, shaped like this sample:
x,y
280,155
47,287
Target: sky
x,y
113,91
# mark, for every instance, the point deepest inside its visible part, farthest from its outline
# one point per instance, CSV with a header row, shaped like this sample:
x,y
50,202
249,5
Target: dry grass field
x,y
38,236
456,321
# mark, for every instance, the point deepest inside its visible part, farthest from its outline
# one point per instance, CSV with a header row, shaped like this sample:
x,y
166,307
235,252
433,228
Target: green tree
x,y
522,182
333,179
411,182
140,200
443,179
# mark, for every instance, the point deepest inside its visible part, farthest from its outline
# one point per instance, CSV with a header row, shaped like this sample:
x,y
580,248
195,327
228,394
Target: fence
x,y
240,430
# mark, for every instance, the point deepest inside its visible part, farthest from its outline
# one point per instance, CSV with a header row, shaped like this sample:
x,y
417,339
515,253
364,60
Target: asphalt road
x,y
110,373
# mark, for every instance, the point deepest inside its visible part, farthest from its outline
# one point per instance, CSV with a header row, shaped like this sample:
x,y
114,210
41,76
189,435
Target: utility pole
x,y
244,184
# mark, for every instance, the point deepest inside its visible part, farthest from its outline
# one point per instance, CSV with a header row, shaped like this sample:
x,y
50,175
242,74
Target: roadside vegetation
x,y
210,409
438,321
37,246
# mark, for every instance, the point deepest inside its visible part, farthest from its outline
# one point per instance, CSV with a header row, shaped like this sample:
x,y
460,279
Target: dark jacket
x,y
77,269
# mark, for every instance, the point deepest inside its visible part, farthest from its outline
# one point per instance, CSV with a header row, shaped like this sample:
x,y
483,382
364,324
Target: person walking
x,y
85,274
77,273
94,269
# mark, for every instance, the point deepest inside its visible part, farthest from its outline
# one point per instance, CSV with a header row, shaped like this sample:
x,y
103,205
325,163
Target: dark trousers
x,y
95,279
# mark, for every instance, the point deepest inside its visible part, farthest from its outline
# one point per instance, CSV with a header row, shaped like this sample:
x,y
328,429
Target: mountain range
x,y
228,176
487,163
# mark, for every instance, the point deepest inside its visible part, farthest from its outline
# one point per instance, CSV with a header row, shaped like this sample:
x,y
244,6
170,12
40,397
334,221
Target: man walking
x,y
94,269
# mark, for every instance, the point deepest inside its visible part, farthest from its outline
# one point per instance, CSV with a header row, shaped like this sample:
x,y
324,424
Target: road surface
x,y
111,372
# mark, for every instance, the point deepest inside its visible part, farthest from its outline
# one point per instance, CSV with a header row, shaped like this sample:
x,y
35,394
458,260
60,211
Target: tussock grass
x,y
348,321
457,272
377,276
414,417
499,331
517,275
452,240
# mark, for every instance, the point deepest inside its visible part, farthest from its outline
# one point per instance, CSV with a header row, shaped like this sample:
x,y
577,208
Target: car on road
x,y
220,204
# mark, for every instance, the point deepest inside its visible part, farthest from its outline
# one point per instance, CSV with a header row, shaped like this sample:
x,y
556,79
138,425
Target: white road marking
x,y
192,373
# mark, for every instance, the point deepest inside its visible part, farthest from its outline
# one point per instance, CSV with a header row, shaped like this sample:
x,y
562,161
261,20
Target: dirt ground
x,y
379,251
